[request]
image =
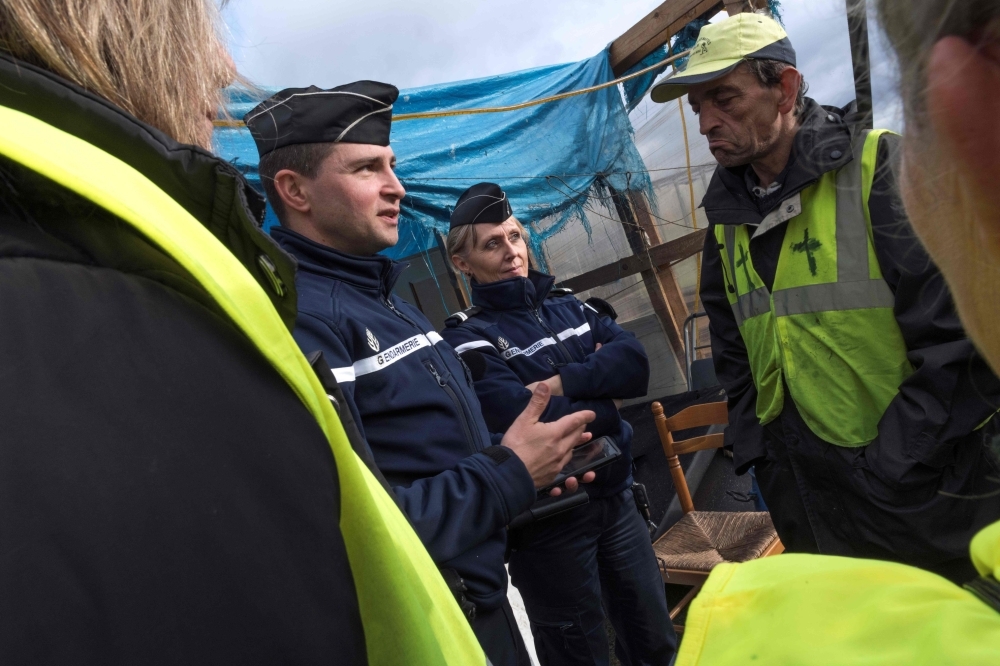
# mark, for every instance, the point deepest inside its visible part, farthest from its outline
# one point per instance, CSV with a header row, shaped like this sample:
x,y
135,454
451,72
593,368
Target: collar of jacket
x,y
822,144
513,293
375,272
211,189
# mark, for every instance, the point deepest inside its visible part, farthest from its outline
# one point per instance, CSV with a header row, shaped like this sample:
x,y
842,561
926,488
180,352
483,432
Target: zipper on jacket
x,y
458,403
463,409
559,343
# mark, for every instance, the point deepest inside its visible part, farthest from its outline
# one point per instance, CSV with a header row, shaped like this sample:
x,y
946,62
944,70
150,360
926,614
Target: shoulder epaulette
x,y
601,307
462,316
559,291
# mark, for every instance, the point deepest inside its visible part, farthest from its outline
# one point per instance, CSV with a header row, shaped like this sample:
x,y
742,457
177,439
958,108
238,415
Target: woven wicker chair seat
x,y
702,539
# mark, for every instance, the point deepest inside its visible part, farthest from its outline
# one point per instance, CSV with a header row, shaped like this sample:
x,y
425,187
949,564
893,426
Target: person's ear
x,y
791,80
963,101
461,264
290,186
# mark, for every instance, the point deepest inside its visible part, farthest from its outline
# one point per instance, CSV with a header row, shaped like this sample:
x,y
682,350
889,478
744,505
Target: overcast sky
x,y
419,42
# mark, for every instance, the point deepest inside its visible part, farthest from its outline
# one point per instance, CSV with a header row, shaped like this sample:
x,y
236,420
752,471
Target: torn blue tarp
x,y
635,89
546,157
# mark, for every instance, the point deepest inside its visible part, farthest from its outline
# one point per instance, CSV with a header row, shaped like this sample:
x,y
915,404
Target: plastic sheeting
x,y
548,158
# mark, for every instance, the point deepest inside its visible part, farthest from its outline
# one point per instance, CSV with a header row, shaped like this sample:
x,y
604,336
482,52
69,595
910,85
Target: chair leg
x,y
685,600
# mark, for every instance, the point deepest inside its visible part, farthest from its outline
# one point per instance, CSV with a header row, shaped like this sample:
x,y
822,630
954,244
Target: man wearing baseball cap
x,y
852,386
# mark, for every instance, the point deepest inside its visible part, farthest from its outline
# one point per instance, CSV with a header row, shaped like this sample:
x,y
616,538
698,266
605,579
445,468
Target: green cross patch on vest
x,y
826,329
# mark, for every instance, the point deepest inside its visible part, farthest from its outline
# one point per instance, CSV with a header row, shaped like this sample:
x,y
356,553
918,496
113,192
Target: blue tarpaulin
x,y
548,158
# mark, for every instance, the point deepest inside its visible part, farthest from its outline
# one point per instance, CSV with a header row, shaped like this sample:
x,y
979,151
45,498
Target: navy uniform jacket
x,y
527,333
412,397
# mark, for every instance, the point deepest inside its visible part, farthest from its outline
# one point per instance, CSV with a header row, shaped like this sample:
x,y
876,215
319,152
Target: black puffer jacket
x,y
165,498
903,497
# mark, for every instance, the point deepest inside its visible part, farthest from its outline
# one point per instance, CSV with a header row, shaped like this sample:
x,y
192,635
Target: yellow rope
x,y
512,107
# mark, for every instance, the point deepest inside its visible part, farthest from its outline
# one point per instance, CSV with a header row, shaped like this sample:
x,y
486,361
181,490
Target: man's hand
x,y
554,382
545,448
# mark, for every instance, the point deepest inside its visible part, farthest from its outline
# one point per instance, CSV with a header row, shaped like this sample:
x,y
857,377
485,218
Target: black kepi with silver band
x,y
359,112
483,202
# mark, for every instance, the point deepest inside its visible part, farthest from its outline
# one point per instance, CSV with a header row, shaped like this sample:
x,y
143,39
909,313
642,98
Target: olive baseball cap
x,y
724,45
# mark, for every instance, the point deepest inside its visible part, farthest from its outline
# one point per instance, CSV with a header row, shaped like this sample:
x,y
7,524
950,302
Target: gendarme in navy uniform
x,y
573,567
527,331
328,171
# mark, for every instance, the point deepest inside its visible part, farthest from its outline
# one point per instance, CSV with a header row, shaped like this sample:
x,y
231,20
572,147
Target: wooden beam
x,y
665,273
654,30
672,328
664,254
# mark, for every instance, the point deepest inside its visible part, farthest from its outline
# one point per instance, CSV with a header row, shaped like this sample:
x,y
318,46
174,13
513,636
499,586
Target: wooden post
x,y
857,28
655,30
671,289
457,284
657,288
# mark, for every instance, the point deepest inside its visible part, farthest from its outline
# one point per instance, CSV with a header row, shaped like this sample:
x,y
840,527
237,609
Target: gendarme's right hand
x,y
545,448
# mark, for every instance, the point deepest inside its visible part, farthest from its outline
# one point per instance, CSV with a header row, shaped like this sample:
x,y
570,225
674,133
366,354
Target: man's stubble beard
x,y
754,149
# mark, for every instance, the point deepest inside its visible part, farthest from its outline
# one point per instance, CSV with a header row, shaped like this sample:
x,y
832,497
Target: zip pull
x,y
437,375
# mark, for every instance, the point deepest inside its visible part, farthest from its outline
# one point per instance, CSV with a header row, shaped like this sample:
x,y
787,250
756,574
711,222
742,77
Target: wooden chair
x,y
701,539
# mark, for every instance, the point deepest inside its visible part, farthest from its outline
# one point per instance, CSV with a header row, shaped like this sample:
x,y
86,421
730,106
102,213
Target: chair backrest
x,y
713,413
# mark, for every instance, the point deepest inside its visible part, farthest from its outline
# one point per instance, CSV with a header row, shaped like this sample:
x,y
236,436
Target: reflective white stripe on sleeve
x,y
579,330
528,351
545,342
590,307
343,375
475,344
386,358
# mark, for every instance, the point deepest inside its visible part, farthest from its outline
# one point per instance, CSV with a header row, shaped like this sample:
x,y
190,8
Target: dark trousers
x,y
500,638
828,499
571,567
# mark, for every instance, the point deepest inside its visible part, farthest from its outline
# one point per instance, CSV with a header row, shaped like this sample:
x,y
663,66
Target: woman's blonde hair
x,y
163,61
943,205
462,239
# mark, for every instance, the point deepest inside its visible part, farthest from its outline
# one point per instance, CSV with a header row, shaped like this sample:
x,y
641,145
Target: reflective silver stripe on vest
x,y
833,296
854,289
852,232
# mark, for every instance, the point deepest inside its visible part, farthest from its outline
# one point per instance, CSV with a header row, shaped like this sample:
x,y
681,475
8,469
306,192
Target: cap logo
x,y
701,47
372,340
503,344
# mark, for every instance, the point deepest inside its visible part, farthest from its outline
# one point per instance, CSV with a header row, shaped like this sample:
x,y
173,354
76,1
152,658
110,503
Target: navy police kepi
x,y
481,203
359,112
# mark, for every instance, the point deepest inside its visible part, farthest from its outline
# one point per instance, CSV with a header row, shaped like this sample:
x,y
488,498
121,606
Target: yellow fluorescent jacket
x,y
819,610
409,615
827,327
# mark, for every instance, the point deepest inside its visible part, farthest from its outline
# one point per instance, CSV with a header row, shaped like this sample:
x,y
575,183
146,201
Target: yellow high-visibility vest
x,y
818,610
826,329
408,613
